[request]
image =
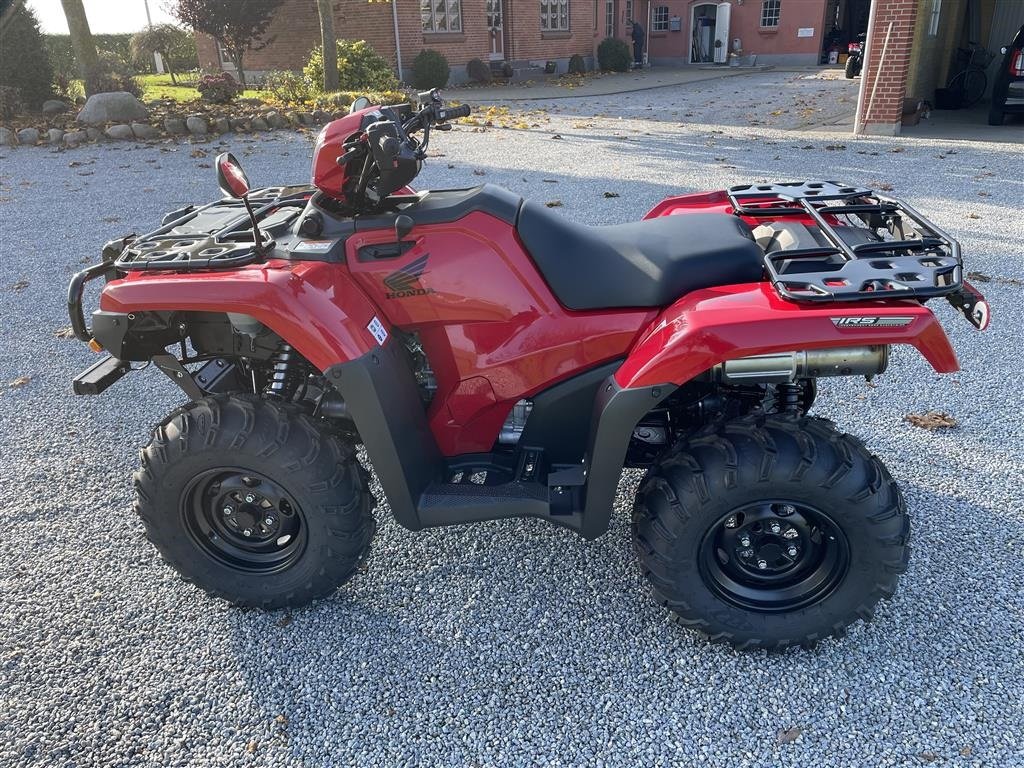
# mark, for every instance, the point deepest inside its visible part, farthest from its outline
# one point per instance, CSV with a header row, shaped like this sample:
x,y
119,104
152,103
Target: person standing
x,y
639,37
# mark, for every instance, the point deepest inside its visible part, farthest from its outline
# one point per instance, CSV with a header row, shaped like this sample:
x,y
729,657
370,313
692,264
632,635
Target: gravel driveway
x,y
507,643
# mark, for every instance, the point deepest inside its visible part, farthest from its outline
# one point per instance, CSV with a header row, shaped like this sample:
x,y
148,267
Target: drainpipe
x,y
398,42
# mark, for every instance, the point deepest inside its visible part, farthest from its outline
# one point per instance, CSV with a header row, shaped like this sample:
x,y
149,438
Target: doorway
x,y
494,19
702,33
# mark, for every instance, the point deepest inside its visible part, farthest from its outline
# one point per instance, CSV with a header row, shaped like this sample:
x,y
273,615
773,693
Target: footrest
x,y
100,375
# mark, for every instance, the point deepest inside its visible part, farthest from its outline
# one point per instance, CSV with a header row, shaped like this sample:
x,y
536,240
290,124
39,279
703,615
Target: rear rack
x,y
895,250
215,236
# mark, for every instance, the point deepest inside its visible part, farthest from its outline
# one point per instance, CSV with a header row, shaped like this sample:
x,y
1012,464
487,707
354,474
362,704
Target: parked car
x,y
1008,90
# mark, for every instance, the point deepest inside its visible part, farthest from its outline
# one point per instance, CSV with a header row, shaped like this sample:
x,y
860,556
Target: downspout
x,y
398,40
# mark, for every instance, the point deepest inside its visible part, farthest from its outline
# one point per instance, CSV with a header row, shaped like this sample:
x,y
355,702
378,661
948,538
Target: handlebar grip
x,y
453,113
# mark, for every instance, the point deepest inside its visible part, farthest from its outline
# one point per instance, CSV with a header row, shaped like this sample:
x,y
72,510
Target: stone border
x,y
195,126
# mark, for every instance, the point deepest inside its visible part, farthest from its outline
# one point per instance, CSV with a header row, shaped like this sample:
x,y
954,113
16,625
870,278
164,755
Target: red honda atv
x,y
497,360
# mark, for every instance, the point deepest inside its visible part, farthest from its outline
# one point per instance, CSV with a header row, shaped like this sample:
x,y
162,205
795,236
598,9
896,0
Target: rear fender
x,y
711,326
315,307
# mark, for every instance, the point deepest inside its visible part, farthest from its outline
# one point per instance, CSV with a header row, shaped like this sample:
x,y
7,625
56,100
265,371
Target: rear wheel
x,y
254,501
771,531
851,68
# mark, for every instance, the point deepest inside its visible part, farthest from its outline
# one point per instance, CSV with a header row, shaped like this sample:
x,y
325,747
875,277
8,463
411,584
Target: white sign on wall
x,y
805,32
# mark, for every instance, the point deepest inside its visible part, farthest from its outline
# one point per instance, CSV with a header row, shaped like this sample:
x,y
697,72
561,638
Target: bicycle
x,y
970,79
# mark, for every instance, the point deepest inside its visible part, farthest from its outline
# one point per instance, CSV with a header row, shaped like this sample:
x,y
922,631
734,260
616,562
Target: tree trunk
x,y
329,44
237,55
82,42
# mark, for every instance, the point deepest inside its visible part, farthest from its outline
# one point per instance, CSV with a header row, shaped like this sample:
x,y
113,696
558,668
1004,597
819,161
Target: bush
x,y
24,64
614,55
219,88
287,86
113,75
359,67
176,45
430,70
10,102
478,72
577,66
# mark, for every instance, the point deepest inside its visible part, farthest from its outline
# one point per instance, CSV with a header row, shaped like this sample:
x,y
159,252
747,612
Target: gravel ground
x,y
511,643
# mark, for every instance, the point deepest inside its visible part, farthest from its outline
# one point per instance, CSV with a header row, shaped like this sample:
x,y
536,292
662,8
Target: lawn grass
x,y
160,87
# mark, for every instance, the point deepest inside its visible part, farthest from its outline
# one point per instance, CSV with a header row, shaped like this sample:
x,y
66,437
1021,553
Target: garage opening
x,y
702,46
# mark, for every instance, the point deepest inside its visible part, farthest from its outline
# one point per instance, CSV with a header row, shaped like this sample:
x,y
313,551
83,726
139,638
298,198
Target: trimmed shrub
x,y
10,102
219,88
577,66
340,100
287,86
359,67
113,75
24,64
478,71
613,55
430,70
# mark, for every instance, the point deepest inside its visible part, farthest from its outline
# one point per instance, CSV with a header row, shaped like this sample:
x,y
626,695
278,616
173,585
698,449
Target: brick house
x,y
912,51
529,33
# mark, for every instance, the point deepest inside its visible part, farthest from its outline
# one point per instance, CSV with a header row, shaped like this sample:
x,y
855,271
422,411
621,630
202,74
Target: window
x,y
609,18
659,20
629,12
224,56
770,10
933,18
441,15
554,16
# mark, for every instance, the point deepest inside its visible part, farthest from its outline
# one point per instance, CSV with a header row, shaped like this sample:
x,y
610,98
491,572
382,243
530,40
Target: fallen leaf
x,y
979,277
788,735
931,420
550,181
835,147
20,285
251,747
285,620
65,333
478,172
198,153
928,756
973,215
110,219
894,150
19,382
203,165
557,136
611,194
281,720
966,751
553,203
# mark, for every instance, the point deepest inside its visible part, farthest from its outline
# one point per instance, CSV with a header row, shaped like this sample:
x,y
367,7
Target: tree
x,y
238,25
326,11
82,42
174,44
26,77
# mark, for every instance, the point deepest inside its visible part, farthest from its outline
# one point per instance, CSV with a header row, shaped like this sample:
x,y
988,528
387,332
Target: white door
x,y
495,23
722,33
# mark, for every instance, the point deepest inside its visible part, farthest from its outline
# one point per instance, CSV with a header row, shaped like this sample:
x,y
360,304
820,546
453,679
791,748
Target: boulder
x,y
240,124
222,125
196,125
175,125
54,135
8,138
306,118
116,107
120,131
293,119
28,136
260,124
321,116
276,120
53,107
144,131
93,133
74,138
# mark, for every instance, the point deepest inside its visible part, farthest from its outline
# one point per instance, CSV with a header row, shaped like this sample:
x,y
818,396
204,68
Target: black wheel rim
x,y
244,520
772,556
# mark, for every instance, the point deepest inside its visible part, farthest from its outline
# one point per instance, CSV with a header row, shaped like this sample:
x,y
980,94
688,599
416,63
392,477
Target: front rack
x,y
215,236
865,243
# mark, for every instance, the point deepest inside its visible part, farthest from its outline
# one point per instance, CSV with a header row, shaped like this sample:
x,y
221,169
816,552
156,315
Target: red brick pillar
x,y
886,73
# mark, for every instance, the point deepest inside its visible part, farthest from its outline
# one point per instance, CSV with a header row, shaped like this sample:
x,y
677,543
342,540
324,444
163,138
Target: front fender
x,y
314,306
710,326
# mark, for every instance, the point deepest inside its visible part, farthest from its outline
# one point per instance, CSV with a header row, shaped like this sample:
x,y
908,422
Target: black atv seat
x,y
647,263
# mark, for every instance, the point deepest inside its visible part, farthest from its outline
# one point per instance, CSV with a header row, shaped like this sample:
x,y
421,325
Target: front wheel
x,y
254,501
771,531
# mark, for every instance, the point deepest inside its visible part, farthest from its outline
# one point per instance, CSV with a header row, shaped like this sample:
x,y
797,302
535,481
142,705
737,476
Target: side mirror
x,y
403,226
358,104
230,177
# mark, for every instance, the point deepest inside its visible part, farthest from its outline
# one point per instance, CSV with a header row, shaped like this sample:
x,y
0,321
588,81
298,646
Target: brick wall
x,y
295,31
885,80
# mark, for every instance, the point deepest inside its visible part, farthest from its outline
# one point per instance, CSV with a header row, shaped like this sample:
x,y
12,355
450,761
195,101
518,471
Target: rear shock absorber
x,y
285,372
788,397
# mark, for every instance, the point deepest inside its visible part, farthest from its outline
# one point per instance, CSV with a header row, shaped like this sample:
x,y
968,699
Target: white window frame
x,y
556,11
609,18
771,12
429,16
659,18
222,54
934,17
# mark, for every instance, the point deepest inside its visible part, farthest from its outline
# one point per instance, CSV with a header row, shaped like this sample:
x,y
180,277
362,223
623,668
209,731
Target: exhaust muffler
x,y
782,367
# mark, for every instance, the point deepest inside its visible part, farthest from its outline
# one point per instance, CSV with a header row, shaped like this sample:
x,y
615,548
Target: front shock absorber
x,y
285,372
